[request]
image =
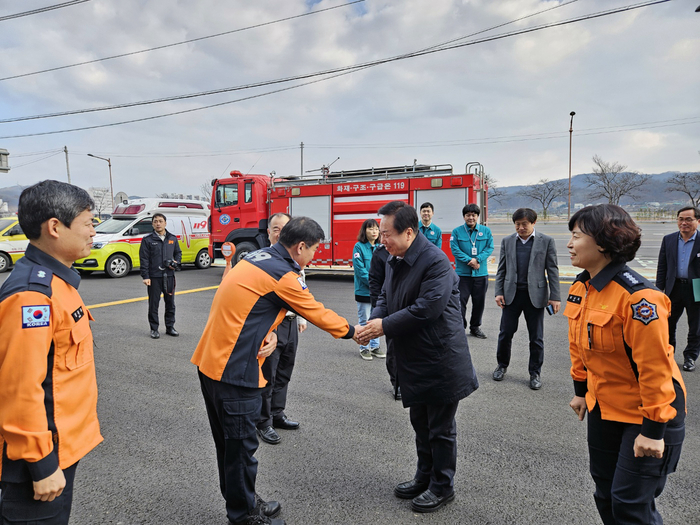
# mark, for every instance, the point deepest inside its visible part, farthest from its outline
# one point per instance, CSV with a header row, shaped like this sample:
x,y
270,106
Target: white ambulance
x,y
115,248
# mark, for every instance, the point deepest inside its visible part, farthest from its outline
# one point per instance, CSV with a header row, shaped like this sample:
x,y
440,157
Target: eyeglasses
x,y
687,219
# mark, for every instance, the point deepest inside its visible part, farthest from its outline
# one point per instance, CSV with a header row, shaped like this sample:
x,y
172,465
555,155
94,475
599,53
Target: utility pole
x,y
301,174
65,150
571,132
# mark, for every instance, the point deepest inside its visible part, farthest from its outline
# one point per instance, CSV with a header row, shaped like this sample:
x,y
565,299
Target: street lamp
x,y
111,188
571,132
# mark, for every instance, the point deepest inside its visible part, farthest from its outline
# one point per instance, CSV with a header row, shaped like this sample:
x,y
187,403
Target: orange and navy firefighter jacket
x,y
620,354
250,303
48,390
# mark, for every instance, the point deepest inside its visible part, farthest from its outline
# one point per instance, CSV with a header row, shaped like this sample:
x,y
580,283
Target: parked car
x,y
13,243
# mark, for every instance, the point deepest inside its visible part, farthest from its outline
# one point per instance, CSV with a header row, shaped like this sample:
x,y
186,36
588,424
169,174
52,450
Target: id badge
x,y
473,250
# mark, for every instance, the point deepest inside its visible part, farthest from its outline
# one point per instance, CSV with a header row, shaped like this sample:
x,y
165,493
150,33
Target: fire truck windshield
x,y
227,194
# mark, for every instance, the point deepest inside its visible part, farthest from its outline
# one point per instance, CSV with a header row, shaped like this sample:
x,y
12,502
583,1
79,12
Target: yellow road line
x,y
137,299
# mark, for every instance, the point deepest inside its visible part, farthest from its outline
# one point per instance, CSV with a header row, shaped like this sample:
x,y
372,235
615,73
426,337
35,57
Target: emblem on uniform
x,y
302,283
357,255
36,316
630,278
78,314
644,311
41,274
170,242
481,234
576,299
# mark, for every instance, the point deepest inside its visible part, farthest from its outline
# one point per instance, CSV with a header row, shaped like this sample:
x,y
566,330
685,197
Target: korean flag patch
x,y
644,311
36,316
302,283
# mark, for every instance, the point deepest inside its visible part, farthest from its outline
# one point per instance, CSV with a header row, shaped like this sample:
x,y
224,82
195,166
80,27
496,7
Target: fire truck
x,y
339,202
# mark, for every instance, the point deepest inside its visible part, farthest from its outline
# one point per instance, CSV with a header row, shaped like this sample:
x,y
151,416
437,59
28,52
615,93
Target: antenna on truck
x,y
325,169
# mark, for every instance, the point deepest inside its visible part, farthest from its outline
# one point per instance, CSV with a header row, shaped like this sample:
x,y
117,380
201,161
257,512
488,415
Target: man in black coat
x,y
679,265
419,312
157,253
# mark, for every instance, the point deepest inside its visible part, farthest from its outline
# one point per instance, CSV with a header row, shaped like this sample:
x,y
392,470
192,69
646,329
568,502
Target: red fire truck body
x,y
339,202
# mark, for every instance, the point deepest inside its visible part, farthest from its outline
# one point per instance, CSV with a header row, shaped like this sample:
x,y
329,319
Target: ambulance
x,y
13,243
115,248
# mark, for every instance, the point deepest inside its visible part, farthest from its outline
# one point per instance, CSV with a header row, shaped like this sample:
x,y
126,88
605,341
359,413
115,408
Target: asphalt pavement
x,y
522,456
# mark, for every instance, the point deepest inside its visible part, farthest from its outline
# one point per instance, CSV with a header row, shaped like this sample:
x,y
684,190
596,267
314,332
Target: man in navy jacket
x,y
418,310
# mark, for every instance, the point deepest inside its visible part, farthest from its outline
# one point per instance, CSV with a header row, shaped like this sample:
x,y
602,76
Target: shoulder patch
x,y
302,283
36,316
644,311
630,278
40,275
576,299
357,255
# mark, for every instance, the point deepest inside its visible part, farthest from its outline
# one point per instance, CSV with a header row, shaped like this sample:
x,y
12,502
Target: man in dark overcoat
x,y
418,311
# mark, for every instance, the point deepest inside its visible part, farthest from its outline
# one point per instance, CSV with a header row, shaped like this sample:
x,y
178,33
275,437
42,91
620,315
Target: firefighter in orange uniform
x,y
623,369
48,391
250,303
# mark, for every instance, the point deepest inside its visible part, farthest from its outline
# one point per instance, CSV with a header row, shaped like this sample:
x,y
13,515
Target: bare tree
x,y
205,190
495,193
101,197
609,180
688,183
545,191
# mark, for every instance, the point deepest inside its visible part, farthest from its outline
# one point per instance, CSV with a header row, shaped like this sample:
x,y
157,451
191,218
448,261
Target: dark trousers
x,y
626,487
436,444
165,286
233,412
474,287
18,506
277,369
682,299
534,318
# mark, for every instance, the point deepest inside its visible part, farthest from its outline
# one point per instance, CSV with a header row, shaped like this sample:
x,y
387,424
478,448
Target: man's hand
x,y
269,345
644,446
357,336
501,301
473,264
372,330
302,324
50,488
556,305
147,282
578,403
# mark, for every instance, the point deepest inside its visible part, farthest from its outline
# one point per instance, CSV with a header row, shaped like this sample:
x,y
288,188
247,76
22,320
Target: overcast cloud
x,y
451,107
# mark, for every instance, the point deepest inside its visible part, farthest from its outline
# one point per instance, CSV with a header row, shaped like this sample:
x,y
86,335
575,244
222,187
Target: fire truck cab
x,y
339,202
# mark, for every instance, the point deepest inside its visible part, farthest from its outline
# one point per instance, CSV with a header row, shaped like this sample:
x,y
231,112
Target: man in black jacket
x,y
159,254
419,312
377,273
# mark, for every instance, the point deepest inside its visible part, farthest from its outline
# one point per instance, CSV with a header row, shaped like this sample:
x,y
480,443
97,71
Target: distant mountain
x,y
654,191
10,195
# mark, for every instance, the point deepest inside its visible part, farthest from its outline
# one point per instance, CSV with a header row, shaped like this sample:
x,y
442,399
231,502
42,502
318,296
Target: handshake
x,y
372,330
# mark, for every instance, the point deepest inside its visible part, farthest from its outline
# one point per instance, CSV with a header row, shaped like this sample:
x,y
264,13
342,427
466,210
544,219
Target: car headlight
x,y
97,245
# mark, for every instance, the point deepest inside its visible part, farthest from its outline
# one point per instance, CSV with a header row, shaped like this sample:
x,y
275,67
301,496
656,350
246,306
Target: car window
x,y
4,223
144,226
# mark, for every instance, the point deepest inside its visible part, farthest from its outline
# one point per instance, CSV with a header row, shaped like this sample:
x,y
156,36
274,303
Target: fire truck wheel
x,y
118,265
203,261
243,249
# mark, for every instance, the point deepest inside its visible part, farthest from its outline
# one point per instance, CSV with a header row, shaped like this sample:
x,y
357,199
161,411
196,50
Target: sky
x,y
632,78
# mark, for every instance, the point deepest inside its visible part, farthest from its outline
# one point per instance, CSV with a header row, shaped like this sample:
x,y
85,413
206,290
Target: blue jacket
x,y
461,248
432,233
361,259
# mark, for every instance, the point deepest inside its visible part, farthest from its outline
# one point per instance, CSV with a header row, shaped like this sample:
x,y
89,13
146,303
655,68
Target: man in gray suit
x,y
521,287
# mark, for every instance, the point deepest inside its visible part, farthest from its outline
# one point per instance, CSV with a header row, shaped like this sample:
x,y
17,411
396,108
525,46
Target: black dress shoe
x,y
285,423
689,364
499,373
172,331
267,508
155,334
535,382
410,489
269,435
476,332
429,502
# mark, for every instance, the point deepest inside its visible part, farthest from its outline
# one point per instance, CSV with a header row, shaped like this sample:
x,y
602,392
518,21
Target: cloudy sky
x,y
633,79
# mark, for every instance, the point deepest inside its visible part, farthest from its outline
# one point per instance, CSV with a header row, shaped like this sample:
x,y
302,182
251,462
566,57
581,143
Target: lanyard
x,y
474,250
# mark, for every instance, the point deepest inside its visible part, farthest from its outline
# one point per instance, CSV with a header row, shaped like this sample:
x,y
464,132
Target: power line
x,y
42,10
178,43
332,73
37,160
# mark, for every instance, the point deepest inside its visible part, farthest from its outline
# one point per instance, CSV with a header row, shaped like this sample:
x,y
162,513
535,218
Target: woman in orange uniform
x,y
623,369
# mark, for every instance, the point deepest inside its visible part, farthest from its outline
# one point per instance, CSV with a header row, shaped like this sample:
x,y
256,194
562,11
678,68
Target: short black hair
x,y
612,229
471,208
301,229
696,211
525,213
158,215
427,205
405,216
50,199
368,223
